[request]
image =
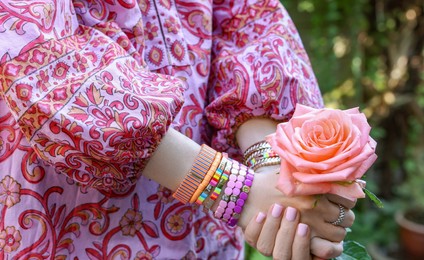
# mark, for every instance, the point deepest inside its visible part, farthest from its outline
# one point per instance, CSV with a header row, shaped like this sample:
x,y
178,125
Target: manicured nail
x,y
302,229
276,210
260,217
291,214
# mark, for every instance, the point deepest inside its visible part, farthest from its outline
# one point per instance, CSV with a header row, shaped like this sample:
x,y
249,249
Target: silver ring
x,y
341,216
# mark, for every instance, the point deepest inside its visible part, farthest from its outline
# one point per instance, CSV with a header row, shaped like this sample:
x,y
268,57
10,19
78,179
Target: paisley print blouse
x,y
87,90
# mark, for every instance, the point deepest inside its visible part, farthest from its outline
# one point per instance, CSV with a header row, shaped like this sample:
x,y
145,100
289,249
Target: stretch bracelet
x,y
242,197
219,187
196,175
235,194
231,192
213,182
207,178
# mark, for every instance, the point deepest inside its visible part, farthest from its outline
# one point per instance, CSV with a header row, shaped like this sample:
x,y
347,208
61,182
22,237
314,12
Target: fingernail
x,y
291,214
260,217
302,229
276,210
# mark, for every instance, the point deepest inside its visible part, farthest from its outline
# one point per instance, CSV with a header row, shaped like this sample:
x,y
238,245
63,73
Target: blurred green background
x,y
369,53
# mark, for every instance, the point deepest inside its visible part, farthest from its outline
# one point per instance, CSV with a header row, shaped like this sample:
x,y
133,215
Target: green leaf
x,y
353,251
374,198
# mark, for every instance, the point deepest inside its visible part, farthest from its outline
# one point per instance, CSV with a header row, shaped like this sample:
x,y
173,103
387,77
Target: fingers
x,y
340,200
286,234
266,240
301,244
253,229
325,249
278,233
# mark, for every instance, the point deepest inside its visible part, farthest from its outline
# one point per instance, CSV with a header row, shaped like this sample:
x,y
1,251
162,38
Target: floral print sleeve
x,y
81,96
259,67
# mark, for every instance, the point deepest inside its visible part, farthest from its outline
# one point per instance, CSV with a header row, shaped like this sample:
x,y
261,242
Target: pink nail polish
x,y
302,229
260,217
276,210
291,214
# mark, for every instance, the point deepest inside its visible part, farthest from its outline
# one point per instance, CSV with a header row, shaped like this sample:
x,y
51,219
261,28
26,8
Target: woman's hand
x,y
279,234
316,212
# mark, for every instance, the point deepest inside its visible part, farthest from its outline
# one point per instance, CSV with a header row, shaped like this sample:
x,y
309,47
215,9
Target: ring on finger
x,y
341,216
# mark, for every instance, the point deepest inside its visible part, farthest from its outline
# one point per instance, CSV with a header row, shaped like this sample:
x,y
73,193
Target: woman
x,y
103,105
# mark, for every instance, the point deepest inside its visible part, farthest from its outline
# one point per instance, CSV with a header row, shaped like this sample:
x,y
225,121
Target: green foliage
x,y
353,251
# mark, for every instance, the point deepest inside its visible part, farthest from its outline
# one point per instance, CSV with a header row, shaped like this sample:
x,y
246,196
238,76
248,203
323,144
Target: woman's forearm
x,y
172,159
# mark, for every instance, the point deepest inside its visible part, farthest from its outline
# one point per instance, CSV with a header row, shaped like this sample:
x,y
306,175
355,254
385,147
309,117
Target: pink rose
x,y
323,151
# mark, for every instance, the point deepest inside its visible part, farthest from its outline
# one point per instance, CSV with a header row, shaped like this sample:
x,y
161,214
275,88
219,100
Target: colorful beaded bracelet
x,y
196,175
242,197
202,199
235,194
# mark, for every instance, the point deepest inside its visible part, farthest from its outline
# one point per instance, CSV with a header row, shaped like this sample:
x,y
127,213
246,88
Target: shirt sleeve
x,y
259,68
81,99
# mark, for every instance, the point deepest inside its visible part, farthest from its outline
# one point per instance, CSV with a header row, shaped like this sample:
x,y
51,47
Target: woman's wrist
x,y
253,131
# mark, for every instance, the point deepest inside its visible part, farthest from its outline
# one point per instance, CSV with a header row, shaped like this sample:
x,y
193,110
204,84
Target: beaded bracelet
x,y
202,199
220,209
218,189
241,200
196,175
235,194
207,178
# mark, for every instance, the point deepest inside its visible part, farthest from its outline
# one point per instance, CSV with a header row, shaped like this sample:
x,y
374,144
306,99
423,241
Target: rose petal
x,y
301,110
289,186
350,192
339,176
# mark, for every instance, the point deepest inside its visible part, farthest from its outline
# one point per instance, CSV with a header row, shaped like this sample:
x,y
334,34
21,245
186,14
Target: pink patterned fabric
x,y
89,88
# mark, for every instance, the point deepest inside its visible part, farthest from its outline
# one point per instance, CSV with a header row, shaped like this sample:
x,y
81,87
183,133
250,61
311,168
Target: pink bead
x,y
236,191
226,217
228,211
231,205
238,185
231,184
241,178
232,177
223,204
228,191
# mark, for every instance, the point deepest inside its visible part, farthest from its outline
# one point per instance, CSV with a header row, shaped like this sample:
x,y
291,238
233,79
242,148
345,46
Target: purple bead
x,y
237,209
232,222
231,204
248,183
250,176
240,202
236,191
243,196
